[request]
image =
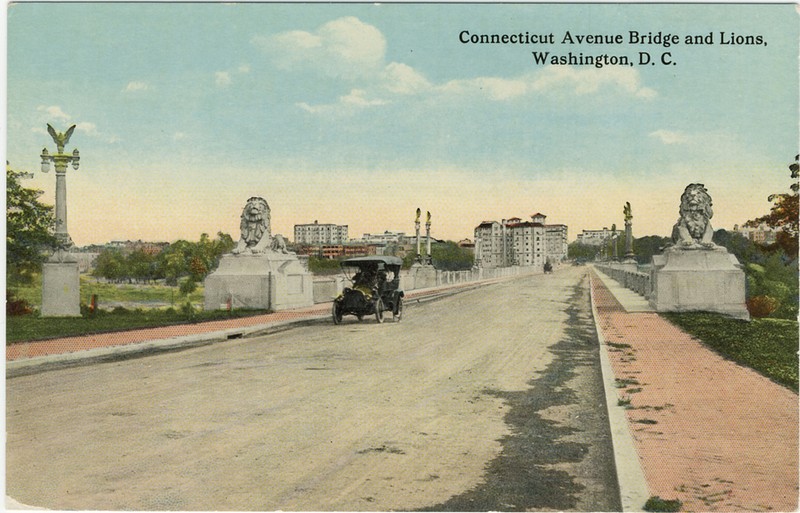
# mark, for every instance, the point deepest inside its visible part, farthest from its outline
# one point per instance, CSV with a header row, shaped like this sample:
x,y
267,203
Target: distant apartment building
x,y
556,245
333,251
466,244
761,234
384,238
517,242
317,234
597,237
129,246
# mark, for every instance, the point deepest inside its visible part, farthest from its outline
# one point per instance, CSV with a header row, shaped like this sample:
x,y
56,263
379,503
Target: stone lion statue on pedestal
x,y
255,230
693,229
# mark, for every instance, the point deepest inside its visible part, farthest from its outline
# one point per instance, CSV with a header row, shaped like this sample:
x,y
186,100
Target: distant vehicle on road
x,y
375,289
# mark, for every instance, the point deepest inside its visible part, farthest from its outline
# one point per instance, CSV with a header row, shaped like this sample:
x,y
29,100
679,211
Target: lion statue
x,y
279,245
255,227
693,229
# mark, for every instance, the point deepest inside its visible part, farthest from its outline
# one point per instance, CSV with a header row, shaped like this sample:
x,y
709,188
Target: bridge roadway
x,y
490,399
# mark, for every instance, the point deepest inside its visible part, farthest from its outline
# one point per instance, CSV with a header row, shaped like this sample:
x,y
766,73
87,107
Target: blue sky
x,y
359,113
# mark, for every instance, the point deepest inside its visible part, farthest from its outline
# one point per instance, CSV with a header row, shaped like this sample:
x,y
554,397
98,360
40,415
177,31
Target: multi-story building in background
x,y
517,242
762,234
317,234
384,238
490,245
597,237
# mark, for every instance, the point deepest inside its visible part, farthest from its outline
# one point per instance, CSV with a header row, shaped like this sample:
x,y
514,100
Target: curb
x,y
633,488
37,364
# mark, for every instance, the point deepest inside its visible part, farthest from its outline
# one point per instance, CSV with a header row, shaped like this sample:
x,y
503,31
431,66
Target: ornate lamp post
x,y
60,275
61,161
418,258
629,255
429,258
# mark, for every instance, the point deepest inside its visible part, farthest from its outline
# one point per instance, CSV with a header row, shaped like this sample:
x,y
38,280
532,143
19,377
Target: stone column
x,y
61,232
629,254
60,274
418,257
428,258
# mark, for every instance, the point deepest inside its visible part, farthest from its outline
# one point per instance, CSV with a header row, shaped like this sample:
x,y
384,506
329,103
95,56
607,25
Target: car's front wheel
x,y
397,314
336,312
379,310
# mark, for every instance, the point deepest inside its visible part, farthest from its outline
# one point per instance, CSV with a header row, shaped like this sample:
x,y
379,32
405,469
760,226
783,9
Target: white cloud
x,y
670,136
552,79
400,78
591,80
86,127
494,88
358,98
136,86
222,78
54,111
355,100
345,48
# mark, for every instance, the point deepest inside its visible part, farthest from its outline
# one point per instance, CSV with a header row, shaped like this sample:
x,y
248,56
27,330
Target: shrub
x,y
761,306
188,286
17,306
188,310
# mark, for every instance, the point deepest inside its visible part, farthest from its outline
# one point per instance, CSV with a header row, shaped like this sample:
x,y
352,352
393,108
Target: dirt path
x,y
439,411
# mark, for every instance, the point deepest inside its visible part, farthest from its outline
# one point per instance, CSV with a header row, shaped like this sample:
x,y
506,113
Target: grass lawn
x,y
107,292
768,346
32,327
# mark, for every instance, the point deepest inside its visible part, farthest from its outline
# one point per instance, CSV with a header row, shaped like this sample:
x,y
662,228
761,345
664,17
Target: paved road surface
x,y
487,400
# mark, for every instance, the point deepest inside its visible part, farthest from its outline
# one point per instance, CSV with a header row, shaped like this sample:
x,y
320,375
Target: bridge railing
x,y
629,276
326,288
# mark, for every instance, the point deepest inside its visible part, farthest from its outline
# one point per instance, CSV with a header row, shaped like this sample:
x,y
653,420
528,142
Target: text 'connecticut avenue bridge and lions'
x,y
633,39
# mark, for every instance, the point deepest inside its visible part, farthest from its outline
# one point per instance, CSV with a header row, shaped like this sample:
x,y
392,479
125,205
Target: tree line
x,y
181,259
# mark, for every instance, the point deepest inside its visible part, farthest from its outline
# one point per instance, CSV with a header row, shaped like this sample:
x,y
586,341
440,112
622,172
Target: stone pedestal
x,y
689,280
271,280
424,276
61,293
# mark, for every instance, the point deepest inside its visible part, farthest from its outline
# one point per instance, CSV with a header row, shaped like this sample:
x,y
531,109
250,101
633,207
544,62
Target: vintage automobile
x,y
375,288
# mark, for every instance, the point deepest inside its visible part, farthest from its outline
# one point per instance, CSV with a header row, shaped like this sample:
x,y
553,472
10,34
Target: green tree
x,y
645,247
29,229
784,214
110,264
581,251
449,256
140,266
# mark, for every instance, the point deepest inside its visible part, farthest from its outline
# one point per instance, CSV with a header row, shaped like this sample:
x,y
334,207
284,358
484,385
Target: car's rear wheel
x,y
397,314
379,311
336,312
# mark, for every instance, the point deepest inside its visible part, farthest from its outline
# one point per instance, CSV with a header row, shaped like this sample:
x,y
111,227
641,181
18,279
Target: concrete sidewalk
x,y
707,431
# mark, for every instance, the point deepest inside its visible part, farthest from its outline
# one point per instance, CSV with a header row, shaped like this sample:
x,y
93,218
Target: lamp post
x,y
418,258
60,274
61,161
629,254
429,258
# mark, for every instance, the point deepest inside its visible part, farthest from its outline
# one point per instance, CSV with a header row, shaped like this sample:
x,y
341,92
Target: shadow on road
x,y
530,471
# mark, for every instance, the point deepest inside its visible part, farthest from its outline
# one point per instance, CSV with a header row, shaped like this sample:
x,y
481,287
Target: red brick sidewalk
x,y
709,432
82,343
64,345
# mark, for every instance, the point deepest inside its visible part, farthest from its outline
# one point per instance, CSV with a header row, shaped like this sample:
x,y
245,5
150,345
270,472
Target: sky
x,y
359,114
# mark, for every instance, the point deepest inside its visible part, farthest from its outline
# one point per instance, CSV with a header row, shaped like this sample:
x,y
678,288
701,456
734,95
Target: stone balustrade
x,y
628,276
